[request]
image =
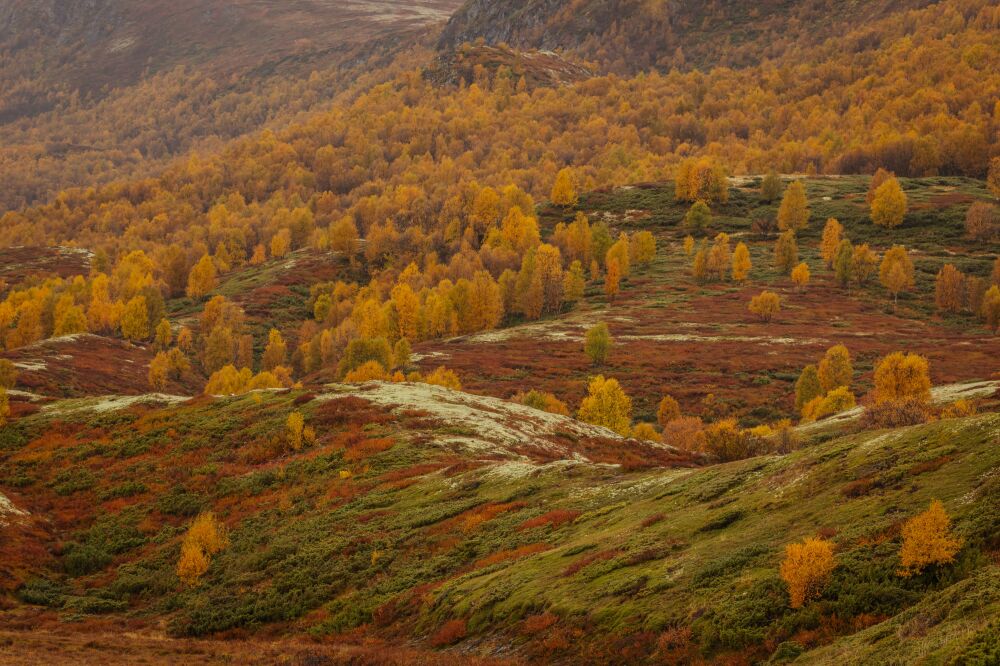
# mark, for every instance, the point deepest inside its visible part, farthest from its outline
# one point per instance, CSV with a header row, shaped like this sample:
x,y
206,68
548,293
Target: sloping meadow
x,y
391,524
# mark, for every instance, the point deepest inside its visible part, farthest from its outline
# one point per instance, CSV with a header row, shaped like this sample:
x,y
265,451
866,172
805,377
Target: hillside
x,y
435,518
559,332
634,35
110,88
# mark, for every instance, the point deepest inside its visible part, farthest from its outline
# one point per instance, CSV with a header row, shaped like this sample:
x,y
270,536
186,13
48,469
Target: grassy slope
x,y
397,550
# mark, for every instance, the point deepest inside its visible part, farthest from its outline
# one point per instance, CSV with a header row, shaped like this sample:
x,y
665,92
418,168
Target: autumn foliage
x,y
806,569
928,540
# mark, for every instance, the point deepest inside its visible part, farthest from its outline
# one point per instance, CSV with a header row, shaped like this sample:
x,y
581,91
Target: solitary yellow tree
x,y
900,377
806,569
204,538
741,263
765,305
833,233
800,276
295,426
794,210
889,204
607,405
927,540
597,344
563,191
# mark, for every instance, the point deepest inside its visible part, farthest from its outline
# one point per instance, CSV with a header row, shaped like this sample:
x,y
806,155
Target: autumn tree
x,y
879,179
928,540
281,243
698,217
276,351
949,289
833,234
406,305
444,377
4,406
688,245
896,271
344,238
993,177
202,278
741,263
362,350
668,410
8,374
843,263
888,208
990,309
163,335
786,252
835,369
864,264
699,265
69,317
838,400
549,277
701,180
770,186
806,569
607,405
294,427
159,368
793,214
765,305
807,387
900,376
545,402
597,343
612,279
621,251
192,565
564,190
982,222
800,276
369,371
642,248
205,538
574,282
135,319
719,257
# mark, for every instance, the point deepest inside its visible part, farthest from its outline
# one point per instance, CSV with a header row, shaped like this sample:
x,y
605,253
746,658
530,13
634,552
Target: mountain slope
x,y
98,89
435,518
631,35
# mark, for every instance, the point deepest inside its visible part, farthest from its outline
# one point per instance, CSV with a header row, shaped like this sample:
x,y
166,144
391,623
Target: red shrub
x,y
554,518
652,520
450,632
515,554
538,623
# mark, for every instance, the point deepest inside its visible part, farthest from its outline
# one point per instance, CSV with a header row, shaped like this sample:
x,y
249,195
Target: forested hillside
x,y
320,343
98,90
